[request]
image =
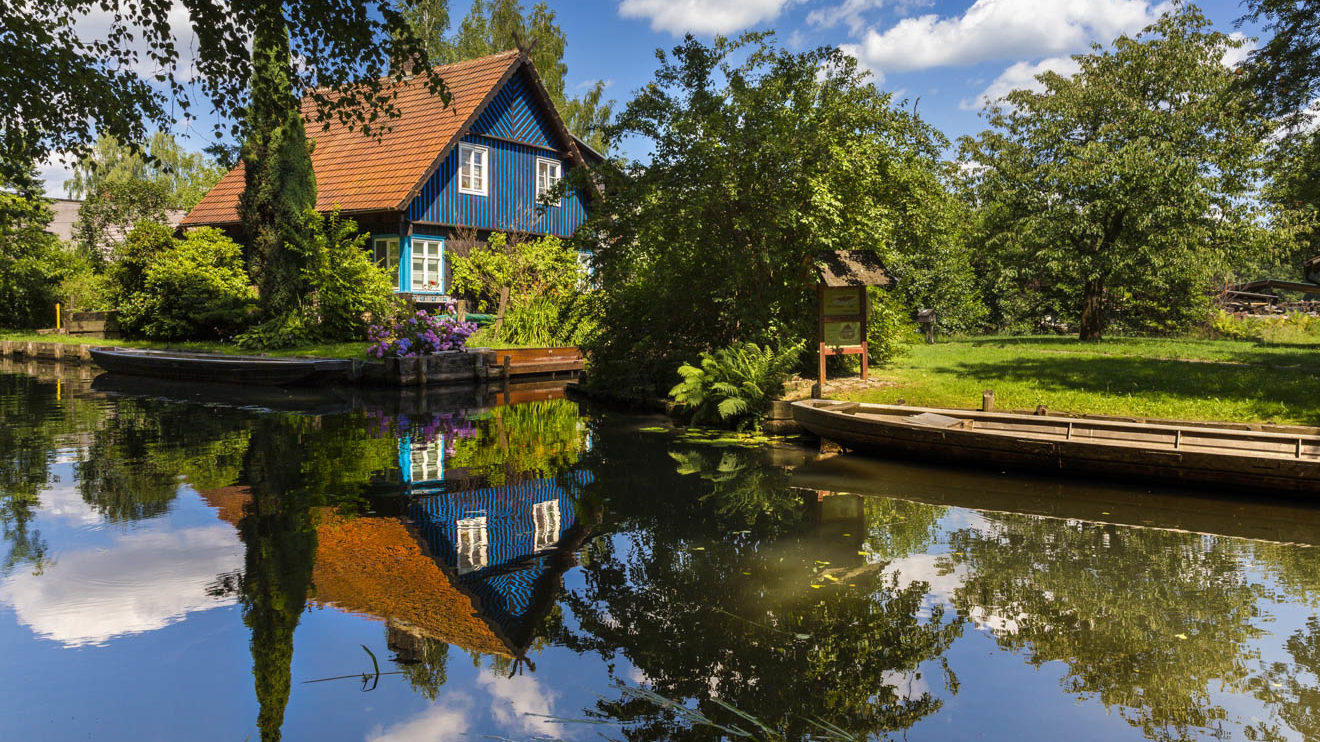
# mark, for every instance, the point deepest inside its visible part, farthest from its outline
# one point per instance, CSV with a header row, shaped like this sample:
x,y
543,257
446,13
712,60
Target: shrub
x,y
889,329
126,276
85,290
345,289
546,283
734,386
419,334
1292,328
197,288
32,263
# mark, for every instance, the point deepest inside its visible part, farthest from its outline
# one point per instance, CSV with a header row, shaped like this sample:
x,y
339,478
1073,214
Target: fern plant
x,y
734,386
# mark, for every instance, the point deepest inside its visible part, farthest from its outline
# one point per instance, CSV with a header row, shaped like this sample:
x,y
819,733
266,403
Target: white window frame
x,y
472,544
428,461
433,266
545,524
386,251
541,191
466,151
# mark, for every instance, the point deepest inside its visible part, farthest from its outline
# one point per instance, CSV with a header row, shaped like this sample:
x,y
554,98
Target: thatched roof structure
x,y
853,268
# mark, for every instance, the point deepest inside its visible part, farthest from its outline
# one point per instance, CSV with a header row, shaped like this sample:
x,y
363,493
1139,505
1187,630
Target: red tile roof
x,y
360,173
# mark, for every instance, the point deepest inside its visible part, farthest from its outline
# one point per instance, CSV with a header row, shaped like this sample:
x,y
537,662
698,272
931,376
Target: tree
x,y
1128,185
493,26
758,166
111,212
185,176
279,185
32,263
62,88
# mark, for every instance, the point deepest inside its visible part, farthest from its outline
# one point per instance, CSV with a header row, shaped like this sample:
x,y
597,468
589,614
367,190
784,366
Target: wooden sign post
x,y
843,312
843,306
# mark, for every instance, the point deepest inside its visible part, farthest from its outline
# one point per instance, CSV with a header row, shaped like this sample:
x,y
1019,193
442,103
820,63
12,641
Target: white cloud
x,y
145,581
448,720
1000,29
852,13
1234,57
1020,76
519,704
702,17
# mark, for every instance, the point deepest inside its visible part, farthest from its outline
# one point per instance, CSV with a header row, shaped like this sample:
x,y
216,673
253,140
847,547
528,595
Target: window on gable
x,y
427,264
472,166
548,173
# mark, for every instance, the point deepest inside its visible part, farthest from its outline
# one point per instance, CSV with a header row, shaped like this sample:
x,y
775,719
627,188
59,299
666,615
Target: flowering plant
x,y
420,334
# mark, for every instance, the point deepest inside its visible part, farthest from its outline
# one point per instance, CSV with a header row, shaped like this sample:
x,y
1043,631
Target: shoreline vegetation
x,y
1242,381
353,349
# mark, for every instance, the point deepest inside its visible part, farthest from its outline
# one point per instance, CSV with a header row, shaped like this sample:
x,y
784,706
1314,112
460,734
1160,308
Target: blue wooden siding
x,y
515,114
512,200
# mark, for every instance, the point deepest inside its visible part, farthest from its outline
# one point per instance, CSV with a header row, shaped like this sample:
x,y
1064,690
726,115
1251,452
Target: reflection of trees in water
x,y
138,453
530,440
294,464
1148,621
707,591
1292,688
30,420
423,661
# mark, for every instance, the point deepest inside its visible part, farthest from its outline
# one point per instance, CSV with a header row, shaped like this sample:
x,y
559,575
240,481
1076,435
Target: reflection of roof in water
x,y
505,545
375,566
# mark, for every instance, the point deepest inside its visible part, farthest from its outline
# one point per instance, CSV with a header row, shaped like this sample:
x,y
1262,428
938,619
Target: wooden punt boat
x,y
1282,461
217,367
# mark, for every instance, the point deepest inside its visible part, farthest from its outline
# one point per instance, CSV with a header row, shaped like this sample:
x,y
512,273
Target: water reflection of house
x,y
507,545
478,569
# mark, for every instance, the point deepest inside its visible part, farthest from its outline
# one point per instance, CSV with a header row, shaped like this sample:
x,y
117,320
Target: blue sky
x,y
946,53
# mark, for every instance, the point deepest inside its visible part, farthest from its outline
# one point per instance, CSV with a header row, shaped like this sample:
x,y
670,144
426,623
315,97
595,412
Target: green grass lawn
x,y
1231,380
319,350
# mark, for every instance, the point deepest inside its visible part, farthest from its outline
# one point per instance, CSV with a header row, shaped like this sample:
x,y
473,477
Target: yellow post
x,y
57,316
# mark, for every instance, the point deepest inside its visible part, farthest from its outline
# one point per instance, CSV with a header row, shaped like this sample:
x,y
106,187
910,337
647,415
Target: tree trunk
x,y
1093,320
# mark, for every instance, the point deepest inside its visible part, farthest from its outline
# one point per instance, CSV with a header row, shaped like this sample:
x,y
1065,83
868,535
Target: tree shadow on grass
x,y
1267,387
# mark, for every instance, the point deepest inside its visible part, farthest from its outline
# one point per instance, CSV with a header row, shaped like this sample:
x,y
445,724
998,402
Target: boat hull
x,y
251,370
1143,458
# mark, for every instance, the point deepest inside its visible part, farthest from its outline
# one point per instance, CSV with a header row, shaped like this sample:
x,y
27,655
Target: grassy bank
x,y
1233,380
320,350
355,349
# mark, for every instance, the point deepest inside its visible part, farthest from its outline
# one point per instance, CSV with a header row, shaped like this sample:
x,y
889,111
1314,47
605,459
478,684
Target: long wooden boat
x,y
1250,461
217,367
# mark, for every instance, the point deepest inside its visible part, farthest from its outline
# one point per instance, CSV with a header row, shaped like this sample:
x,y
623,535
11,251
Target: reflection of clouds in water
x,y
445,720
908,686
944,579
511,700
63,501
144,581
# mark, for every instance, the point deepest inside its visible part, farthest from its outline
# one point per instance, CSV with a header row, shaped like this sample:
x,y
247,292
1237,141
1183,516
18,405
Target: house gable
x,y
516,115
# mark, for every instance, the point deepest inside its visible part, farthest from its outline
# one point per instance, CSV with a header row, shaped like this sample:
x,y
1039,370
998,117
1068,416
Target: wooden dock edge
x,y
63,352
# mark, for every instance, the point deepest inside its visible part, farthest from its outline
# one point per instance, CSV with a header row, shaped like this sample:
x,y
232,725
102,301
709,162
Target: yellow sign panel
x,y
843,334
845,301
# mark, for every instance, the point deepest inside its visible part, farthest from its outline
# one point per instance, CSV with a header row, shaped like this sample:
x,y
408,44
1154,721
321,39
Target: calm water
x,y
187,563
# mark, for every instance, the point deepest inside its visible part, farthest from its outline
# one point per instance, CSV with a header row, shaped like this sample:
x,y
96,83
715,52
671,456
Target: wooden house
x,y
482,164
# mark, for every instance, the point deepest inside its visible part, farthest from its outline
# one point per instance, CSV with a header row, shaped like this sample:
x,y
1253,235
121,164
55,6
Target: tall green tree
x,y
1128,185
493,26
186,176
61,87
279,185
762,159
1284,75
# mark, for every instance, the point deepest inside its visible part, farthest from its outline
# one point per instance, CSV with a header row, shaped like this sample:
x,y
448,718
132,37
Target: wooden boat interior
x,y
1269,441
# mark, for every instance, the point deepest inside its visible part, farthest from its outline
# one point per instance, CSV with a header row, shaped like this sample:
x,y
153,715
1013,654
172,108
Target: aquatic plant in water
x,y
419,334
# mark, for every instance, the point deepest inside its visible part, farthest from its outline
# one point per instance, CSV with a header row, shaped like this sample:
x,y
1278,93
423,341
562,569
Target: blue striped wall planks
x,y
511,203
514,113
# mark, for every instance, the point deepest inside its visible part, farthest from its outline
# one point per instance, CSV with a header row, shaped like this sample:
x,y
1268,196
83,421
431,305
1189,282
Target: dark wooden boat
x,y
1275,460
217,367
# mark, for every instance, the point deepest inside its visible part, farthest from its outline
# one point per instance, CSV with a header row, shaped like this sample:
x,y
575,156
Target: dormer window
x,y
472,159
547,176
